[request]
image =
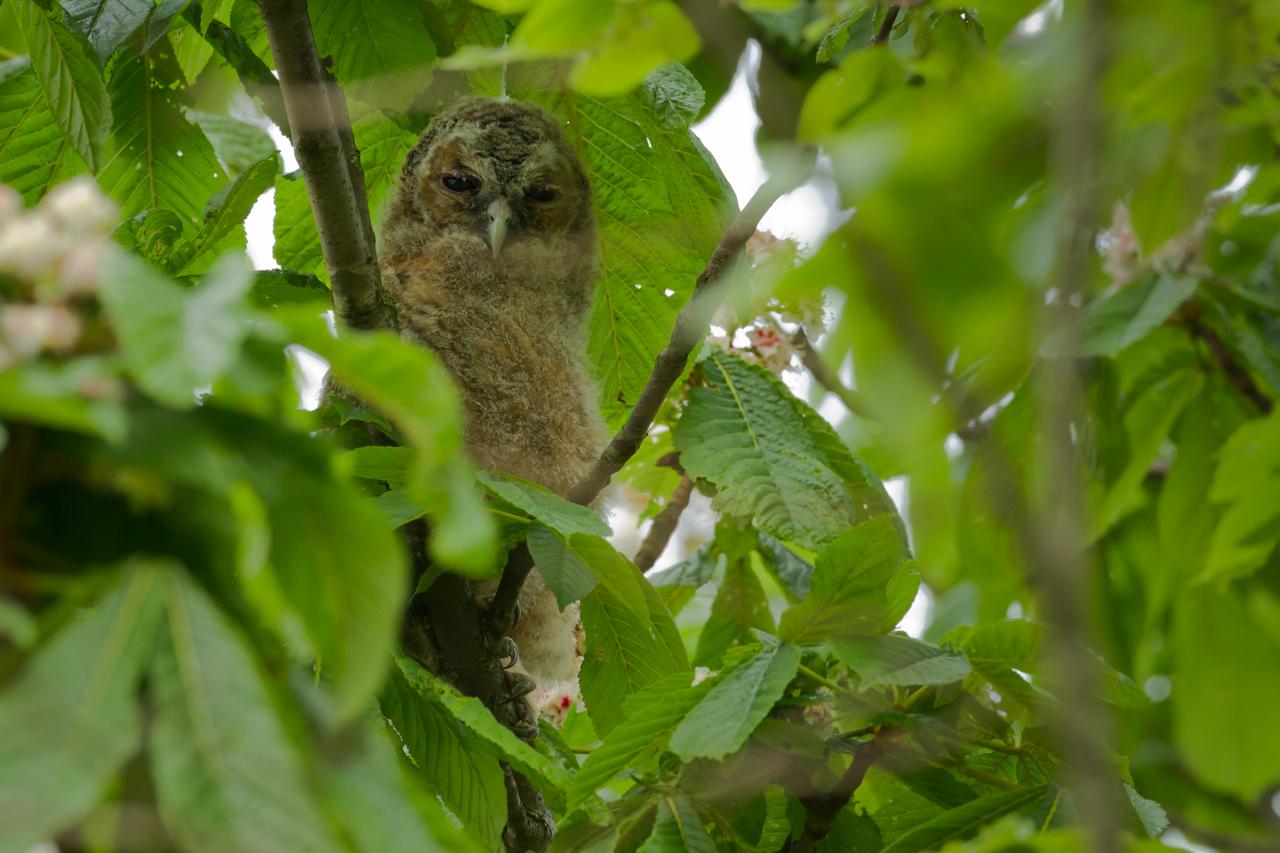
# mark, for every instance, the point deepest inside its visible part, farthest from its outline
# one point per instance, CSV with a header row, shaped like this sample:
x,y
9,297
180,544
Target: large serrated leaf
x,y
297,243
155,158
740,605
727,716
34,153
69,719
544,505
552,779
652,715
107,24
678,828
450,758
964,821
562,562
745,434
68,73
390,63
660,210
898,660
373,793
227,776
853,586
624,652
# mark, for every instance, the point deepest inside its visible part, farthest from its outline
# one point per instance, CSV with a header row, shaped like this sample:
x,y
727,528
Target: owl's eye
x,y
542,194
461,183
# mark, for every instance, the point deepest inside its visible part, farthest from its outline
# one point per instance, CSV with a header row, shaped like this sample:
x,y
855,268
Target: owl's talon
x,y
508,653
520,685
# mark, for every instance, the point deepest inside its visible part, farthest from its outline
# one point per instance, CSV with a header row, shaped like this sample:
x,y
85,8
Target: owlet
x,y
489,249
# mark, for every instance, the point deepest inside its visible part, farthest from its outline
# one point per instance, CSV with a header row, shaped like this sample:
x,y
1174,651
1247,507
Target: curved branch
x,y
663,526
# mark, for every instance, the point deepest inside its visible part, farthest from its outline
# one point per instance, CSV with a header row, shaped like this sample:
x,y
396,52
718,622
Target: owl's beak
x,y
499,216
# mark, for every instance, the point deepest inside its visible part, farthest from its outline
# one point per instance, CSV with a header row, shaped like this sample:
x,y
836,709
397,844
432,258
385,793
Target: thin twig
x,y
821,808
821,371
337,198
1236,375
655,542
886,26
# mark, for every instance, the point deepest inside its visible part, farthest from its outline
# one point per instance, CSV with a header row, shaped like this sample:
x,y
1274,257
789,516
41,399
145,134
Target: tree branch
x,y
663,526
690,327
822,808
886,26
336,193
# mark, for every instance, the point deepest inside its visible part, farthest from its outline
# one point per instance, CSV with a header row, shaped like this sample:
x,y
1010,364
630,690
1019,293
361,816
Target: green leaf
x,y
1147,423
383,146
273,288
238,144
226,212
1226,677
390,63
544,505
552,779
34,153
388,464
674,95
69,719
563,561
1121,319
409,384
660,211
898,660
297,243
69,76
678,828
561,567
624,653
345,571
155,158
964,821
1247,481
378,802
450,759
852,586
727,716
652,715
55,395
739,607
174,340
227,776
641,39
744,433
107,23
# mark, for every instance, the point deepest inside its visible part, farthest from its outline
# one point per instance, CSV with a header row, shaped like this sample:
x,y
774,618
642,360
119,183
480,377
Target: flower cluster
x,y
753,328
49,262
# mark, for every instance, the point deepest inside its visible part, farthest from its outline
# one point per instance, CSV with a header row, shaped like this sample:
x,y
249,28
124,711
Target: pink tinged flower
x,y
27,330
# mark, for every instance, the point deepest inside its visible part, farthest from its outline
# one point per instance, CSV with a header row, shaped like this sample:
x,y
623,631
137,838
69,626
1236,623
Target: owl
x,y
489,250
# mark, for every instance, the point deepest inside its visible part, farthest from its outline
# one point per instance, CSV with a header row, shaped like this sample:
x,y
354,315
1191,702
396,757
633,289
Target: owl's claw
x,y
524,722
508,653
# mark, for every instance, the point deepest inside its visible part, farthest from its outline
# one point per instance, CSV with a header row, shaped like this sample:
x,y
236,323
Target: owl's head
x,y
500,170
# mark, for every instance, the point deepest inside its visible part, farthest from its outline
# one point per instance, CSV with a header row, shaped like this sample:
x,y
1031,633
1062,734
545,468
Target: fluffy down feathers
x,y
507,316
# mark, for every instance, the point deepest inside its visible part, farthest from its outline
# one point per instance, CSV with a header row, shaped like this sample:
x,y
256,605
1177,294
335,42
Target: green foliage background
x,y
202,584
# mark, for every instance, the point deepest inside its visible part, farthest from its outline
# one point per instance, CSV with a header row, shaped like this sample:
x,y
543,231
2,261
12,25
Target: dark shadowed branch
x,y
822,807
1236,375
337,195
886,26
655,542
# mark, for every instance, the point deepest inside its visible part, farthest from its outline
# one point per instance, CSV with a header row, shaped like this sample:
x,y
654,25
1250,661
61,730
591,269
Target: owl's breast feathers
x,y
513,336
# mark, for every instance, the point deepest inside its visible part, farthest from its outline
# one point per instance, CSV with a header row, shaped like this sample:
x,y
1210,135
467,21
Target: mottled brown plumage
x,y
489,249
